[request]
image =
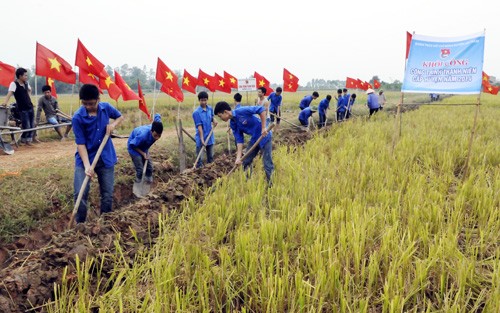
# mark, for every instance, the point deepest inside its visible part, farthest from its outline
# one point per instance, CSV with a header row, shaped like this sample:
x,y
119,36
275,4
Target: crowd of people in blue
x,y
92,122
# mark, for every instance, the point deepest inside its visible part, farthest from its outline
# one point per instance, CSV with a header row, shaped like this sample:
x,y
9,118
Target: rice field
x,y
351,224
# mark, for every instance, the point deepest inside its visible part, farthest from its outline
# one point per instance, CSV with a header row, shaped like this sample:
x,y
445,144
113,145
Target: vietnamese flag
x,y
7,74
50,82
376,84
206,80
189,82
164,75
408,43
351,83
51,65
362,85
290,81
142,102
173,91
88,78
108,84
486,80
491,89
263,82
368,85
127,92
233,82
86,61
221,84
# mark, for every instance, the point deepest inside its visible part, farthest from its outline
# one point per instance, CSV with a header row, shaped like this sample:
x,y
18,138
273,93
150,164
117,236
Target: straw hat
x,y
369,91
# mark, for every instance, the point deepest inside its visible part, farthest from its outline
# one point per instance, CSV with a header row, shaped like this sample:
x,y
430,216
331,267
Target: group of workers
x,y
92,122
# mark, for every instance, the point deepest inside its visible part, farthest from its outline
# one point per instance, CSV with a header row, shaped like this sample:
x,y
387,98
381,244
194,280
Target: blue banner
x,y
445,65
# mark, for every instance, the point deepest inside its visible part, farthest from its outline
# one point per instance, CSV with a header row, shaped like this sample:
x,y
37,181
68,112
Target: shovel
x,y
141,189
86,180
203,148
6,147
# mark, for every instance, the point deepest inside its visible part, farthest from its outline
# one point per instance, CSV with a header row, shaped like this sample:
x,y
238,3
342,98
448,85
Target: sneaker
x,y
63,139
29,143
36,140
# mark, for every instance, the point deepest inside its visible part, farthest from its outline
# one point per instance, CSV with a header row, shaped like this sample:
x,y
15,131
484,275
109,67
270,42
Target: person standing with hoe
x,y
203,118
92,127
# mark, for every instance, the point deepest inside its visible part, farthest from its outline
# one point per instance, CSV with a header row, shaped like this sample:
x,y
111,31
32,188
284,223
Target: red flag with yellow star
x,y
263,82
164,75
127,92
486,79
290,81
108,84
408,43
173,91
362,85
49,64
491,89
222,84
50,82
7,74
376,84
189,82
86,61
368,85
142,102
351,83
233,81
206,80
88,78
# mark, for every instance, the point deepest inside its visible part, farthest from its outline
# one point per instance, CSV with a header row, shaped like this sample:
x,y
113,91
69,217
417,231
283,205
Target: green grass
x,y
350,225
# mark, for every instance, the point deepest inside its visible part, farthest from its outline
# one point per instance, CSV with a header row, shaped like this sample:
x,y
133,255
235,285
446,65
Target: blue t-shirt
x,y
305,102
204,117
245,122
304,116
323,106
142,138
275,101
342,104
90,131
372,101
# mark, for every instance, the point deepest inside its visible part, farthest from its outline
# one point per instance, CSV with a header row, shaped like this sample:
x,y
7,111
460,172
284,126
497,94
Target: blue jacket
x,y
372,101
275,101
304,116
306,101
323,106
244,121
90,131
142,138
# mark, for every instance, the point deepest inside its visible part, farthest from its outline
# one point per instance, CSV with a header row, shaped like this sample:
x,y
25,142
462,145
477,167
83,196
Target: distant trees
x,y
147,78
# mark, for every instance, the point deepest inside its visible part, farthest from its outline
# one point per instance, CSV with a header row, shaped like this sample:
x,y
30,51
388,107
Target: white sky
x,y
312,39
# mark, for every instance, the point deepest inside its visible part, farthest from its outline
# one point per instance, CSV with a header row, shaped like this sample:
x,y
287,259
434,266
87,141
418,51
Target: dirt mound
x,y
31,265
39,259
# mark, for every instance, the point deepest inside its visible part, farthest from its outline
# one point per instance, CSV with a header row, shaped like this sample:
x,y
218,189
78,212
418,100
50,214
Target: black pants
x,y
277,118
373,111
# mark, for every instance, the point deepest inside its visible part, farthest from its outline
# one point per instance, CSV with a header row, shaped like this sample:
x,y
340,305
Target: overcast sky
x,y
312,39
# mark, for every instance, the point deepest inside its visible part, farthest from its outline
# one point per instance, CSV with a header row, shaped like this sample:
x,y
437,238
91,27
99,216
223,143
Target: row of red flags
x,y
356,83
92,71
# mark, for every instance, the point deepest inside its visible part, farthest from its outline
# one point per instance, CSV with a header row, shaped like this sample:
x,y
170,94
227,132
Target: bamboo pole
x,y
284,120
473,131
86,180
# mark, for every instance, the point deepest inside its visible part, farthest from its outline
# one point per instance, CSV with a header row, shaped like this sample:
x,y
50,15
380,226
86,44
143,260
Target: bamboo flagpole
x,y
473,131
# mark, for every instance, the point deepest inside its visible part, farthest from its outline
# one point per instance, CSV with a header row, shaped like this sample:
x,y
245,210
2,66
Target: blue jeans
x,y
267,159
138,161
210,155
27,122
106,179
322,120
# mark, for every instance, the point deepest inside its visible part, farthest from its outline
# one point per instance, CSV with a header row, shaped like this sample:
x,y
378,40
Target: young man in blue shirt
x,y
138,144
322,108
341,106
91,123
275,99
203,118
305,114
243,121
237,100
306,101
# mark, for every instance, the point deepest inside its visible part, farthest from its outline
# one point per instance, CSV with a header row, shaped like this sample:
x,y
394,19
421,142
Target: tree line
x,y
147,78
